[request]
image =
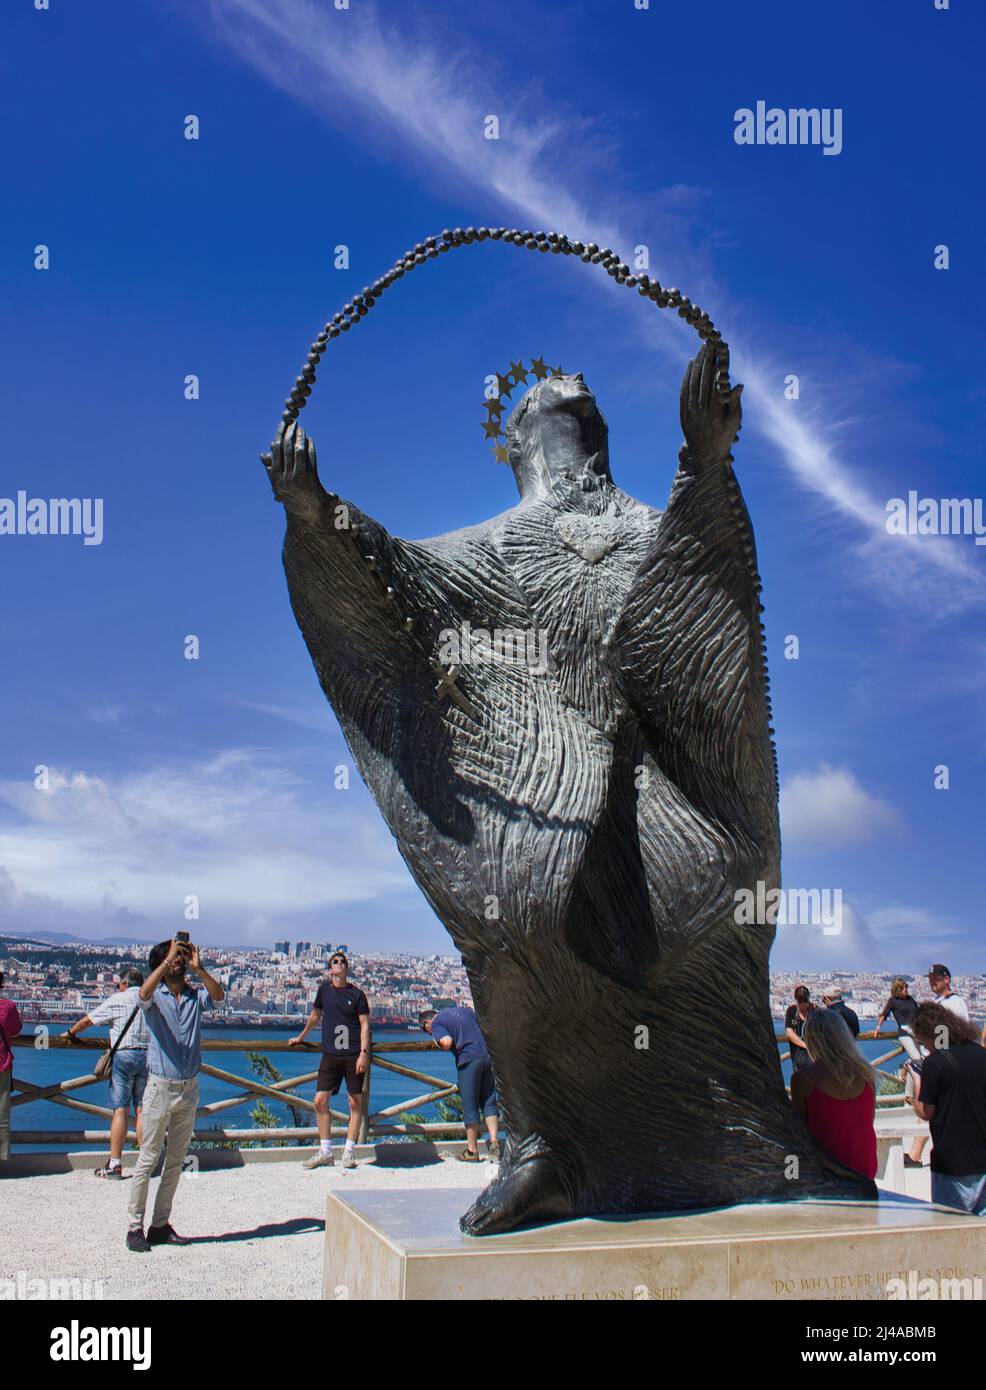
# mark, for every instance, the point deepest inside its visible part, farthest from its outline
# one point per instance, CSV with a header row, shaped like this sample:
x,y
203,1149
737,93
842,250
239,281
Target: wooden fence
x,y
374,1125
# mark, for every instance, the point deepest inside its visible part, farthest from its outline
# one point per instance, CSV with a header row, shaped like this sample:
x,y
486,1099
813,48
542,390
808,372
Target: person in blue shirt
x,y
172,1010
457,1030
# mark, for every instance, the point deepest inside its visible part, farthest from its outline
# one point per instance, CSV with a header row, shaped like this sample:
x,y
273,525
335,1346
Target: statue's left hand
x,y
710,420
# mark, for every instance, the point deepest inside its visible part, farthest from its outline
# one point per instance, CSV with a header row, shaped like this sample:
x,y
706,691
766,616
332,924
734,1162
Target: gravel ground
x,y
256,1230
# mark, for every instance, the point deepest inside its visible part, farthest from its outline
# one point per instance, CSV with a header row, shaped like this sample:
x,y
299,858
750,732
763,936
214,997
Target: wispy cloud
x,y
428,102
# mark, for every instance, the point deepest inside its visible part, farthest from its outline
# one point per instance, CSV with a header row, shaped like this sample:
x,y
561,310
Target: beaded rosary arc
x,y
554,243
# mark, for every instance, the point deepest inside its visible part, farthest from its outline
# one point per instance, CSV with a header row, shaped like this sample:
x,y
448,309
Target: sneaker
x,y
165,1235
349,1158
136,1240
319,1160
469,1156
493,1150
109,1173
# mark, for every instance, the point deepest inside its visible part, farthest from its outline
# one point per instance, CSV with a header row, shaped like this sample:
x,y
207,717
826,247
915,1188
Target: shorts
x,y
477,1088
129,1078
332,1069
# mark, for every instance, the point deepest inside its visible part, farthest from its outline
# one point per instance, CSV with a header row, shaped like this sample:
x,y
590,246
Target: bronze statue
x,y
581,828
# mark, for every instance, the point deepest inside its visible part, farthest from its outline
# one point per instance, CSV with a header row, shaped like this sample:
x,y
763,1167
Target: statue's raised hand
x,y
710,420
293,471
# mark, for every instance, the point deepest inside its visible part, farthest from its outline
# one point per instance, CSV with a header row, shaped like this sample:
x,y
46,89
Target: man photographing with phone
x,y
172,1010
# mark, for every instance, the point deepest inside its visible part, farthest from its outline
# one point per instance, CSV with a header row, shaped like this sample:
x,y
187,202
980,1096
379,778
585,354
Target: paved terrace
x,y
257,1229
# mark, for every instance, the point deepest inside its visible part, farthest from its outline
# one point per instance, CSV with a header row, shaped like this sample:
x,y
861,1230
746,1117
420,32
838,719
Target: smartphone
x,y
182,936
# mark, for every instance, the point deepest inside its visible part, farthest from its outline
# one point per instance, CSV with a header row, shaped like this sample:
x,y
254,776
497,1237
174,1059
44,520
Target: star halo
x,y
495,404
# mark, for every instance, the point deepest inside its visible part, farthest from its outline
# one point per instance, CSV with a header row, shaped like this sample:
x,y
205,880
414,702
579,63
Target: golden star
x,y
504,385
494,405
538,368
501,453
518,373
557,371
491,429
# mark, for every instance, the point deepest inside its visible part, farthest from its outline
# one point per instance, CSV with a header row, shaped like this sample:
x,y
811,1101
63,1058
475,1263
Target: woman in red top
x,y
836,1095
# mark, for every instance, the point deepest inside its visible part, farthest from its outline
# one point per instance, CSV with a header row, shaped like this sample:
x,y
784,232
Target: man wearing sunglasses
x,y
344,1014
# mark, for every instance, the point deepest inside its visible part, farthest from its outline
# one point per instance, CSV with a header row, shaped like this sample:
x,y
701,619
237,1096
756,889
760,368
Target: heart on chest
x,y
590,537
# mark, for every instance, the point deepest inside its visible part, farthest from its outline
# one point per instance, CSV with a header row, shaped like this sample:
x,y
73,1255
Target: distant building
x,y
282,948
302,948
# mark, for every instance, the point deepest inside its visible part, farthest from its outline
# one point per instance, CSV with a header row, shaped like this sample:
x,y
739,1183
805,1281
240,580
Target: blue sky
x,y
364,127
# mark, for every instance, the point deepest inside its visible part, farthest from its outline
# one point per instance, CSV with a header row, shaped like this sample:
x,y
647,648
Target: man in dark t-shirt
x,y
344,1014
457,1030
952,1098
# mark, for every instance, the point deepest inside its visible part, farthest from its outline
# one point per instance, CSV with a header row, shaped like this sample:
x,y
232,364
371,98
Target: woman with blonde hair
x,y
903,1006
836,1094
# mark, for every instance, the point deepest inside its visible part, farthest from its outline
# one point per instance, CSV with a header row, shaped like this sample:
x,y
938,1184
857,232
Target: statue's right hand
x,y
293,468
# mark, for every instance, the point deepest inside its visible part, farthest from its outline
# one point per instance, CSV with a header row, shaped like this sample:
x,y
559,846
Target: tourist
x,y
10,1026
795,1019
172,1009
836,1095
128,1035
940,982
903,1007
457,1030
832,999
344,1013
951,1096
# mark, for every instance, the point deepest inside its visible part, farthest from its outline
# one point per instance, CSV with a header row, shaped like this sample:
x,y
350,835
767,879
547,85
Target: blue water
x,y
42,1067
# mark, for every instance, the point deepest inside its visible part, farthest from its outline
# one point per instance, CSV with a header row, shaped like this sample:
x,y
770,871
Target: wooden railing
x,y
373,1124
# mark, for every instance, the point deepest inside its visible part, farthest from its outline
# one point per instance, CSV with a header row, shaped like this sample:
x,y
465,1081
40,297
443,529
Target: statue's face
x,y
568,394
561,438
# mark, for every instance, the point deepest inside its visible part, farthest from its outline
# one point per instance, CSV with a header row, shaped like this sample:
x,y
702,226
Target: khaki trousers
x,y
168,1114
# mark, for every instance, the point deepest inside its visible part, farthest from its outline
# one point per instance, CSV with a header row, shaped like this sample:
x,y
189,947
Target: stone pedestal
x,y
407,1245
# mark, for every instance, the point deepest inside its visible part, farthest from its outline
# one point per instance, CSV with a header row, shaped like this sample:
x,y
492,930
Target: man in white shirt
x,y
129,1073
